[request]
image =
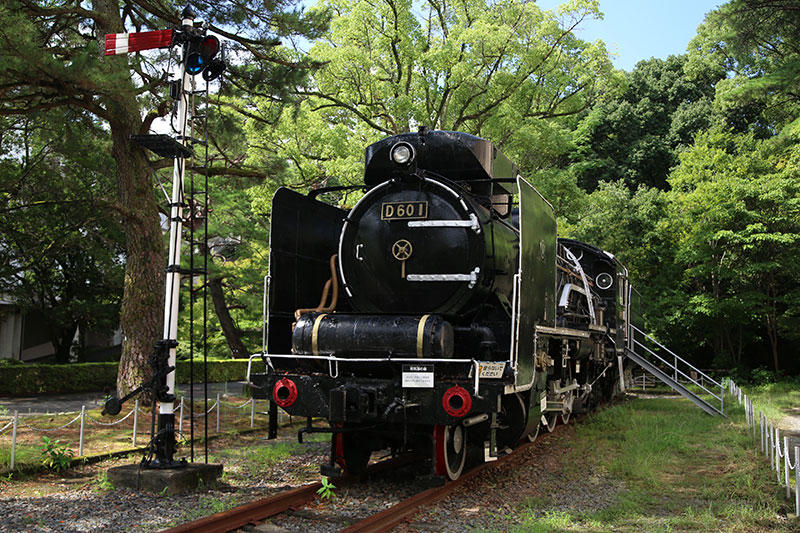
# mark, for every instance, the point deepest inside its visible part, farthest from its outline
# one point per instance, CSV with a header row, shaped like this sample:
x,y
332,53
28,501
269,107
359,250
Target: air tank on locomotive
x,y
426,259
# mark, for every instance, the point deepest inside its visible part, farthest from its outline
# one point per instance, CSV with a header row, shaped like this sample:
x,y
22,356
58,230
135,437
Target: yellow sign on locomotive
x,y
404,210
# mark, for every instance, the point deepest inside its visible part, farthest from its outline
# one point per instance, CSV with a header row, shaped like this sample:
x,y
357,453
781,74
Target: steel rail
x,y
250,513
400,512
258,510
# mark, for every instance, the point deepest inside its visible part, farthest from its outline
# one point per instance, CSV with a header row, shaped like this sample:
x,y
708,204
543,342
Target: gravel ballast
x,y
496,499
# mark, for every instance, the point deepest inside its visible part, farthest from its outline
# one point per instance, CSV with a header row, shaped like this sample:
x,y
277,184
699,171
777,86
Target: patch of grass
x,y
207,504
682,471
775,399
101,481
25,454
270,454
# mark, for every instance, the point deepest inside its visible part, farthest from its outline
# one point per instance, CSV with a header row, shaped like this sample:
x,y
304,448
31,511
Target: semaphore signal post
x,y
198,56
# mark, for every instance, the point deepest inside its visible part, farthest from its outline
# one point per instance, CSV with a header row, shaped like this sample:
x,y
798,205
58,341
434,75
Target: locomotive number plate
x,y
404,210
417,377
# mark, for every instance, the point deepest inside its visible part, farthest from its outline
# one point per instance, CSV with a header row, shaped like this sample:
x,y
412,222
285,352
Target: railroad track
x,y
257,511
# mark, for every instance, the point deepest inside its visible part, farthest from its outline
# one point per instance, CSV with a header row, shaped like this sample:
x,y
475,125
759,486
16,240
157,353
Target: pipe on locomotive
x,y
334,280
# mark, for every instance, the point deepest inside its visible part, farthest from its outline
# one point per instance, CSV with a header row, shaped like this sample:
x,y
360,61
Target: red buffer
x,y
123,43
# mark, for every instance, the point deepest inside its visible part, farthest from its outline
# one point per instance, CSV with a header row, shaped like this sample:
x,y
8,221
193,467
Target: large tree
x,y
60,248
52,58
758,44
505,70
735,219
638,135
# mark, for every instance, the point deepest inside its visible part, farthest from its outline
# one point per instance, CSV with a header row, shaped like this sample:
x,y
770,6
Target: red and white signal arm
x,y
123,43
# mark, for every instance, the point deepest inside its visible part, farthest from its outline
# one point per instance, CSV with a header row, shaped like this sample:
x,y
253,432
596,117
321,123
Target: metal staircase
x,y
674,372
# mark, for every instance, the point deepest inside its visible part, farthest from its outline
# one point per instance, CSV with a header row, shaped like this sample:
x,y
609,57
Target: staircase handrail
x,y
653,368
651,352
676,356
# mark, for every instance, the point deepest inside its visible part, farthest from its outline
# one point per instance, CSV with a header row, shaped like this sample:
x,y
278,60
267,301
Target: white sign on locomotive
x,y
453,321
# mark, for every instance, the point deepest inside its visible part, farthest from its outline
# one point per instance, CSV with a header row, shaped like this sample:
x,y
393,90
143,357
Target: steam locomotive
x,y
451,322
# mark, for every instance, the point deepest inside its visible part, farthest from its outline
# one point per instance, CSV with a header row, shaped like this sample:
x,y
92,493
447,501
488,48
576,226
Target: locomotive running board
x,y
656,365
562,332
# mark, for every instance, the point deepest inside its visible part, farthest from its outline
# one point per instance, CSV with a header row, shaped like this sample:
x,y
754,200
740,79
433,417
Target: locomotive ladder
x,y
689,381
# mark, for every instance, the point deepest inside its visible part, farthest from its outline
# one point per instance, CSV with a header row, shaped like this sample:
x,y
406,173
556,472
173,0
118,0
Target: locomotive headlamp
x,y
402,153
604,280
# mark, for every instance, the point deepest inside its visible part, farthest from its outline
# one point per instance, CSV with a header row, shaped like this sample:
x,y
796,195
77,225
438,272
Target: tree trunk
x,y
141,314
235,344
772,333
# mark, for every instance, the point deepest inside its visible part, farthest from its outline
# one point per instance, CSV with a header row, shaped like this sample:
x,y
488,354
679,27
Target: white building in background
x,y
24,336
10,330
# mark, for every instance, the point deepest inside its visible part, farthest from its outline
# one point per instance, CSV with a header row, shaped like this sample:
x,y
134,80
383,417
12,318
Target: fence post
x,y
746,413
770,443
135,421
80,438
180,418
14,439
252,411
786,466
797,480
778,454
761,428
219,408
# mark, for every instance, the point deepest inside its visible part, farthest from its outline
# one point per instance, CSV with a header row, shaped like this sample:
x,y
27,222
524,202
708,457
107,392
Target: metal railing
x,y
16,424
772,446
675,366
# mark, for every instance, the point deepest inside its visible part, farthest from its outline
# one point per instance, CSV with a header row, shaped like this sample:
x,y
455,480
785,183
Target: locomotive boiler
x,y
441,314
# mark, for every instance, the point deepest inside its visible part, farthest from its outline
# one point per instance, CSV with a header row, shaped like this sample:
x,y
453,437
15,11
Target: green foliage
x,y
735,225
56,456
68,266
497,69
35,379
54,76
265,456
637,136
757,44
101,481
326,490
775,397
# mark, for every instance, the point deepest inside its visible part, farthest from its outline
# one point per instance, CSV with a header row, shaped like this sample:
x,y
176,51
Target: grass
x,y
103,439
681,470
775,399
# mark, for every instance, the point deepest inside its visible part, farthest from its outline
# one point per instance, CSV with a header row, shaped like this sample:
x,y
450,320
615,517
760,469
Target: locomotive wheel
x,y
568,411
549,420
533,434
449,450
351,455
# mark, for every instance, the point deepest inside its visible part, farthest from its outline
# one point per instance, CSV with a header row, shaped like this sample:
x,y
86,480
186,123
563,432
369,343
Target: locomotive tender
x,y
451,321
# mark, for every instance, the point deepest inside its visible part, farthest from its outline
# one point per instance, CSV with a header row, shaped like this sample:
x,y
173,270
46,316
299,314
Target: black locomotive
x,y
451,320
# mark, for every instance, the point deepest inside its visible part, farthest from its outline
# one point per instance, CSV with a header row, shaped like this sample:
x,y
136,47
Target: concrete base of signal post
x,y
169,481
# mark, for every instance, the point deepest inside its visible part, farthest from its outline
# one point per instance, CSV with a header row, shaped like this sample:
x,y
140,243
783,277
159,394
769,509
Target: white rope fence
x,y
18,420
772,446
